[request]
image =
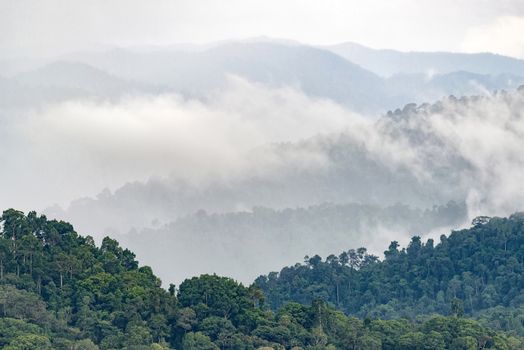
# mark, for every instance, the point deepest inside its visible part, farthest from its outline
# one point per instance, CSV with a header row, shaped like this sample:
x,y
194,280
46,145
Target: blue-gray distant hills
x,y
364,80
390,62
317,72
77,76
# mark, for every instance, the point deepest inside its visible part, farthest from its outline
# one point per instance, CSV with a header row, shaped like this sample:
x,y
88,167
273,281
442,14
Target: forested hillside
x,y
252,236
475,269
58,290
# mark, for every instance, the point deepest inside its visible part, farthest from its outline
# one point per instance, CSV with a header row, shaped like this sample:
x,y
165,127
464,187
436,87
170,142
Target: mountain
x,y
480,268
352,80
243,244
61,81
424,87
58,290
390,62
317,72
16,96
78,76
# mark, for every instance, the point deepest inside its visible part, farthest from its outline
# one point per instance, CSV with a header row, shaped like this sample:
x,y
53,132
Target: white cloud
x,y
78,147
479,141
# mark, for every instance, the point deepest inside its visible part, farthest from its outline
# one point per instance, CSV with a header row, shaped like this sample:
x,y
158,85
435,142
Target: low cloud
x,y
466,150
79,147
250,143
473,146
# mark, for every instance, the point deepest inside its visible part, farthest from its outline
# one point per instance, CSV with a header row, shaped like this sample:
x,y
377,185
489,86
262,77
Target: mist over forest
x,y
219,148
261,175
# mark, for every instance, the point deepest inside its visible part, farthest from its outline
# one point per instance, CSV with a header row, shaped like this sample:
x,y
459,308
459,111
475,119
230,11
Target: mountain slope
x,y
208,240
66,292
479,268
61,81
59,291
424,87
78,76
389,62
317,72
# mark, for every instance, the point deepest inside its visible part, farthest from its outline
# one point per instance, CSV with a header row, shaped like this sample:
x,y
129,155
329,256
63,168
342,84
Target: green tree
x,y
198,341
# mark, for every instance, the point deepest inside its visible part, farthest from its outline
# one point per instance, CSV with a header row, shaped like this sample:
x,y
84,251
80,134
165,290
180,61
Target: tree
x,y
480,266
198,341
457,307
29,342
220,296
85,344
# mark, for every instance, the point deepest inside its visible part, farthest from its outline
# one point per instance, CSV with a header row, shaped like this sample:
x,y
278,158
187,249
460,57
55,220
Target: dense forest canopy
x,y
58,290
481,268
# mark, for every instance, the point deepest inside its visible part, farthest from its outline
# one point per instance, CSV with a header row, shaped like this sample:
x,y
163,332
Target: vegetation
x,y
252,235
58,290
67,292
480,269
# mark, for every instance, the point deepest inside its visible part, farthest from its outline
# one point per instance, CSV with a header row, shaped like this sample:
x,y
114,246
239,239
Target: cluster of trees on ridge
x,y
482,268
252,236
58,290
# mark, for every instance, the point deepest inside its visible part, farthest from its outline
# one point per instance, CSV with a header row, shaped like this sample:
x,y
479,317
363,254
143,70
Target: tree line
x,y
59,290
480,268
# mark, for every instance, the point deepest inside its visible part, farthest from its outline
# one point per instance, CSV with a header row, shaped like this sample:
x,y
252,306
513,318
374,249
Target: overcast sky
x,y
51,26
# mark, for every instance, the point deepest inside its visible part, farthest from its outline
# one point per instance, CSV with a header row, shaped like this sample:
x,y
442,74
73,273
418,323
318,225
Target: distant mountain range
x,y
65,80
317,72
79,76
390,62
359,78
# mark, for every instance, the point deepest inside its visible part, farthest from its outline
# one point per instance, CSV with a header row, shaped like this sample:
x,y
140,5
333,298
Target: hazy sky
x,y
51,26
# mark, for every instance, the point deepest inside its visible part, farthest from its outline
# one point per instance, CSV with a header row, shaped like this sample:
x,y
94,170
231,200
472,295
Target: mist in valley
x,y
242,156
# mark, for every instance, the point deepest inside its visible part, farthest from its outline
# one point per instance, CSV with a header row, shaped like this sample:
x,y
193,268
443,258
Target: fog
x,y
80,146
467,151
241,157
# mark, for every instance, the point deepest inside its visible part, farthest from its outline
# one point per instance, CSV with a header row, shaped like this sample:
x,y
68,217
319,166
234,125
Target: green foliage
x,y
77,293
198,341
215,296
503,318
29,342
59,291
469,271
11,329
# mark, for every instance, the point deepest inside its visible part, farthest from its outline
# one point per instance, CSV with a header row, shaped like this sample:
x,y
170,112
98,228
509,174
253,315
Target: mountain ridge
x,y
386,62
59,290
